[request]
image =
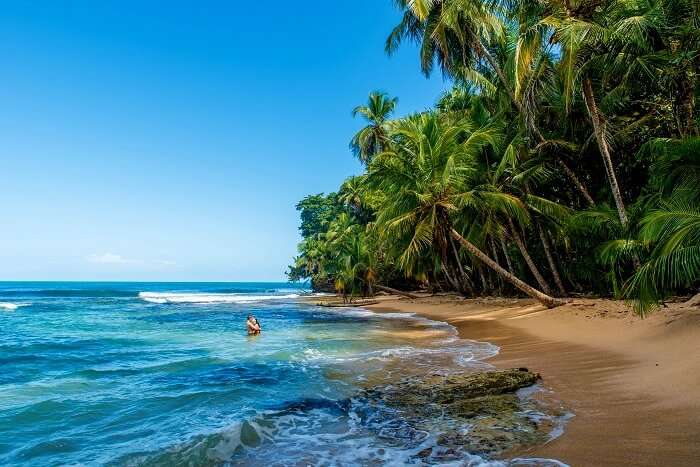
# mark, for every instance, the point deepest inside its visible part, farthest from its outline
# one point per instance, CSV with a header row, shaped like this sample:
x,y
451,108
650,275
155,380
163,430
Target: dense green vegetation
x,y
564,159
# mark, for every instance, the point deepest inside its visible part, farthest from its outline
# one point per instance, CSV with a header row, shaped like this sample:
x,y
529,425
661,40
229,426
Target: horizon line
x,y
247,281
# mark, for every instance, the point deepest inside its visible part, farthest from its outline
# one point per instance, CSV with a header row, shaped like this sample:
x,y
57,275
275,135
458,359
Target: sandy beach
x,y
633,384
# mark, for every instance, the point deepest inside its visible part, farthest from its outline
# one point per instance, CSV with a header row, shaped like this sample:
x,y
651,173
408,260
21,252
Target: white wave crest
x,y
11,306
164,297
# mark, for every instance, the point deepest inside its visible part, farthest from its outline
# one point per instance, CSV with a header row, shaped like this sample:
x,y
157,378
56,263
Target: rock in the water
x,y
479,412
488,383
445,390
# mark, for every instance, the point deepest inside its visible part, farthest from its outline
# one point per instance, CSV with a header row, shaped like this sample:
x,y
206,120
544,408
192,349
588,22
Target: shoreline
x,y
632,384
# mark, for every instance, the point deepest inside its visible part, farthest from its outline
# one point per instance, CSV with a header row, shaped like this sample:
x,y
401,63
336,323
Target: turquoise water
x,y
164,374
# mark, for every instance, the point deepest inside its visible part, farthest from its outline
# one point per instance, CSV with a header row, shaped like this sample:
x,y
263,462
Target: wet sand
x,y
633,384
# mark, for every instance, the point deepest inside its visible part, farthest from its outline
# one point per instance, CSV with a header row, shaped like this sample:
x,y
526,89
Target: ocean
x,y
165,374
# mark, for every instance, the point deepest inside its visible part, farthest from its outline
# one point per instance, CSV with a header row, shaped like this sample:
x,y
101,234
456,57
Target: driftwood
x,y
395,291
694,300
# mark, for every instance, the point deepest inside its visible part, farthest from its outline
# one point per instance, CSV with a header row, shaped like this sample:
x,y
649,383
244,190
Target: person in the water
x,y
253,326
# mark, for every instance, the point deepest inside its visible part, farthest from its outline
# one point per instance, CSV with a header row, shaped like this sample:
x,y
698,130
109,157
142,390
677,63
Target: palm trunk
x,y
465,279
569,173
439,285
450,279
484,287
456,253
598,129
483,51
458,280
550,260
546,300
397,292
577,183
489,281
684,105
528,259
467,288
495,258
505,253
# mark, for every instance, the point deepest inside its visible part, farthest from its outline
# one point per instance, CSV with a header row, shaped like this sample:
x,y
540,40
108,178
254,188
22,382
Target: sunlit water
x,y
164,374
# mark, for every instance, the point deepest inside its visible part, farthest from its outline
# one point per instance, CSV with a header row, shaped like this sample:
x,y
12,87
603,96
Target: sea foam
x,y
11,306
164,297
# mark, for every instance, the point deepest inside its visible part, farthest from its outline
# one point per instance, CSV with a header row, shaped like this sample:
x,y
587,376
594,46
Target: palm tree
x,y
550,259
360,259
589,41
470,198
352,192
655,44
675,165
522,173
457,35
428,177
598,121
672,228
371,139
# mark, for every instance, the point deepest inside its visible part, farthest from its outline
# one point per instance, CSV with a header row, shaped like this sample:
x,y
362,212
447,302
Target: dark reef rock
x,y
449,389
455,391
478,412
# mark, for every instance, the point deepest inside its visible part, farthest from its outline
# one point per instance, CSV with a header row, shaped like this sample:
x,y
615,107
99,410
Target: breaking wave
x,y
323,432
165,297
11,306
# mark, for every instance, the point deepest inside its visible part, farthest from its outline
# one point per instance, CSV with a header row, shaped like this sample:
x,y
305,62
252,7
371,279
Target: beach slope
x,y
633,384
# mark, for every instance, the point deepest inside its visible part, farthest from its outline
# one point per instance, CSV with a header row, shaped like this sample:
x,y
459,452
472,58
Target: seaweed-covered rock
x,y
464,388
448,389
479,412
485,405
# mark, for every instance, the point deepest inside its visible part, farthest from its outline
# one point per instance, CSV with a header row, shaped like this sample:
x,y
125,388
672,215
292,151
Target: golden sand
x,y
633,384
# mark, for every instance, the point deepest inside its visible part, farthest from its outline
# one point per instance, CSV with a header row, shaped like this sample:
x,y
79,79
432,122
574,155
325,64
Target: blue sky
x,y
171,140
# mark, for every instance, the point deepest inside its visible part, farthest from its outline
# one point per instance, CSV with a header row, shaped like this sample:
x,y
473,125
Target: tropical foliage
x,y
564,159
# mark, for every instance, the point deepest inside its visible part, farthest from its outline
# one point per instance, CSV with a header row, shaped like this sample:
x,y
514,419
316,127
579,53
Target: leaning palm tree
x,y
371,139
428,177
